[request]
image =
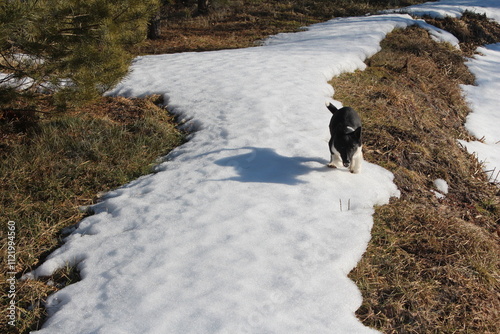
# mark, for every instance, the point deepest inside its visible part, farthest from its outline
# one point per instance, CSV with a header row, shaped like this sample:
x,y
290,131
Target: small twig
x,y
496,176
348,205
492,172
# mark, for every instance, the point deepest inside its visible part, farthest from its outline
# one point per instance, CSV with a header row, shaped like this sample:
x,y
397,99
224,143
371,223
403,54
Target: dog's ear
x,y
357,134
332,108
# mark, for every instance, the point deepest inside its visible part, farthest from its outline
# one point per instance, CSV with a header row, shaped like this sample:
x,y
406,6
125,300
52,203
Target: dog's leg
x,y
331,164
357,159
335,161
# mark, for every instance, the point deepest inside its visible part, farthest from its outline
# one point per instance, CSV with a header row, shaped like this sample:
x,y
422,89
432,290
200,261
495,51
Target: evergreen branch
x,y
89,27
72,17
70,34
9,65
120,13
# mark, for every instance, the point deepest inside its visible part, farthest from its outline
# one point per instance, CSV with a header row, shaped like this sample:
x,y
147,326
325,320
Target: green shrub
x,y
74,48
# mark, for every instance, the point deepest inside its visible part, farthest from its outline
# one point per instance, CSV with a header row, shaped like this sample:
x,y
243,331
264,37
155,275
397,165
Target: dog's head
x,y
348,143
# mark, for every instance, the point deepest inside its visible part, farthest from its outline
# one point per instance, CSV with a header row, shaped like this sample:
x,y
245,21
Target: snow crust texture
x,y
243,229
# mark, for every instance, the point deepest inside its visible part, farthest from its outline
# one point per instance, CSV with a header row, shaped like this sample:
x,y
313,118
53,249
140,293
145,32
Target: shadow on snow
x,y
264,165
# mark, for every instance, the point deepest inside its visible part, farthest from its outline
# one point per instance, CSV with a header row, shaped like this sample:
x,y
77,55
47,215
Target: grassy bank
x,y
53,163
432,265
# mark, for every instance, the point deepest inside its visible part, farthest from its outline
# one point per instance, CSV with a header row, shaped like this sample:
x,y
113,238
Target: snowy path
x,y
241,231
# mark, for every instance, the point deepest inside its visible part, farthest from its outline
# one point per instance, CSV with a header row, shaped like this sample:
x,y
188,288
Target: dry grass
x,y
472,30
432,265
243,23
53,163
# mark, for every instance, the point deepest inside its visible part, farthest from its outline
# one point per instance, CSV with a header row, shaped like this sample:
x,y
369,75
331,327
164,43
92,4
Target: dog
x,y
346,141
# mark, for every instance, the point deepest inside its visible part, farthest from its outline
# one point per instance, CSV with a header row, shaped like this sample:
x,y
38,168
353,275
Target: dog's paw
x,y
355,171
331,165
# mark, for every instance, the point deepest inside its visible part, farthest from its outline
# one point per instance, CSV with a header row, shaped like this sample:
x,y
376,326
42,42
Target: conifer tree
x,y
74,48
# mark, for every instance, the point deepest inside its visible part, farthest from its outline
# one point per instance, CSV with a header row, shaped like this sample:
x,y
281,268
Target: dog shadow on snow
x,y
264,165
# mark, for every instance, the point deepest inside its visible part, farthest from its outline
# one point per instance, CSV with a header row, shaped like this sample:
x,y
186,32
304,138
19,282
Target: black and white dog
x,y
345,143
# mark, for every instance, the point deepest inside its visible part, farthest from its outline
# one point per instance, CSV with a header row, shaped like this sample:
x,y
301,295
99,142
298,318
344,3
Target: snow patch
x,y
453,8
484,99
441,185
442,188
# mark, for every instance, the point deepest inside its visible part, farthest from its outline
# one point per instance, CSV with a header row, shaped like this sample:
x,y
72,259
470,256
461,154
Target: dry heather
x,y
432,265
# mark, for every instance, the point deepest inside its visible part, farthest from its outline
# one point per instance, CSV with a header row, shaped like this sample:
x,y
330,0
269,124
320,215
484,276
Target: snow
x,y
441,185
442,188
437,34
484,99
243,229
454,8
7,80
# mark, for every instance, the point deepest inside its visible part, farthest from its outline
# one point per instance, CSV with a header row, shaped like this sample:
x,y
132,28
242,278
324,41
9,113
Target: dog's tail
x,y
331,107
